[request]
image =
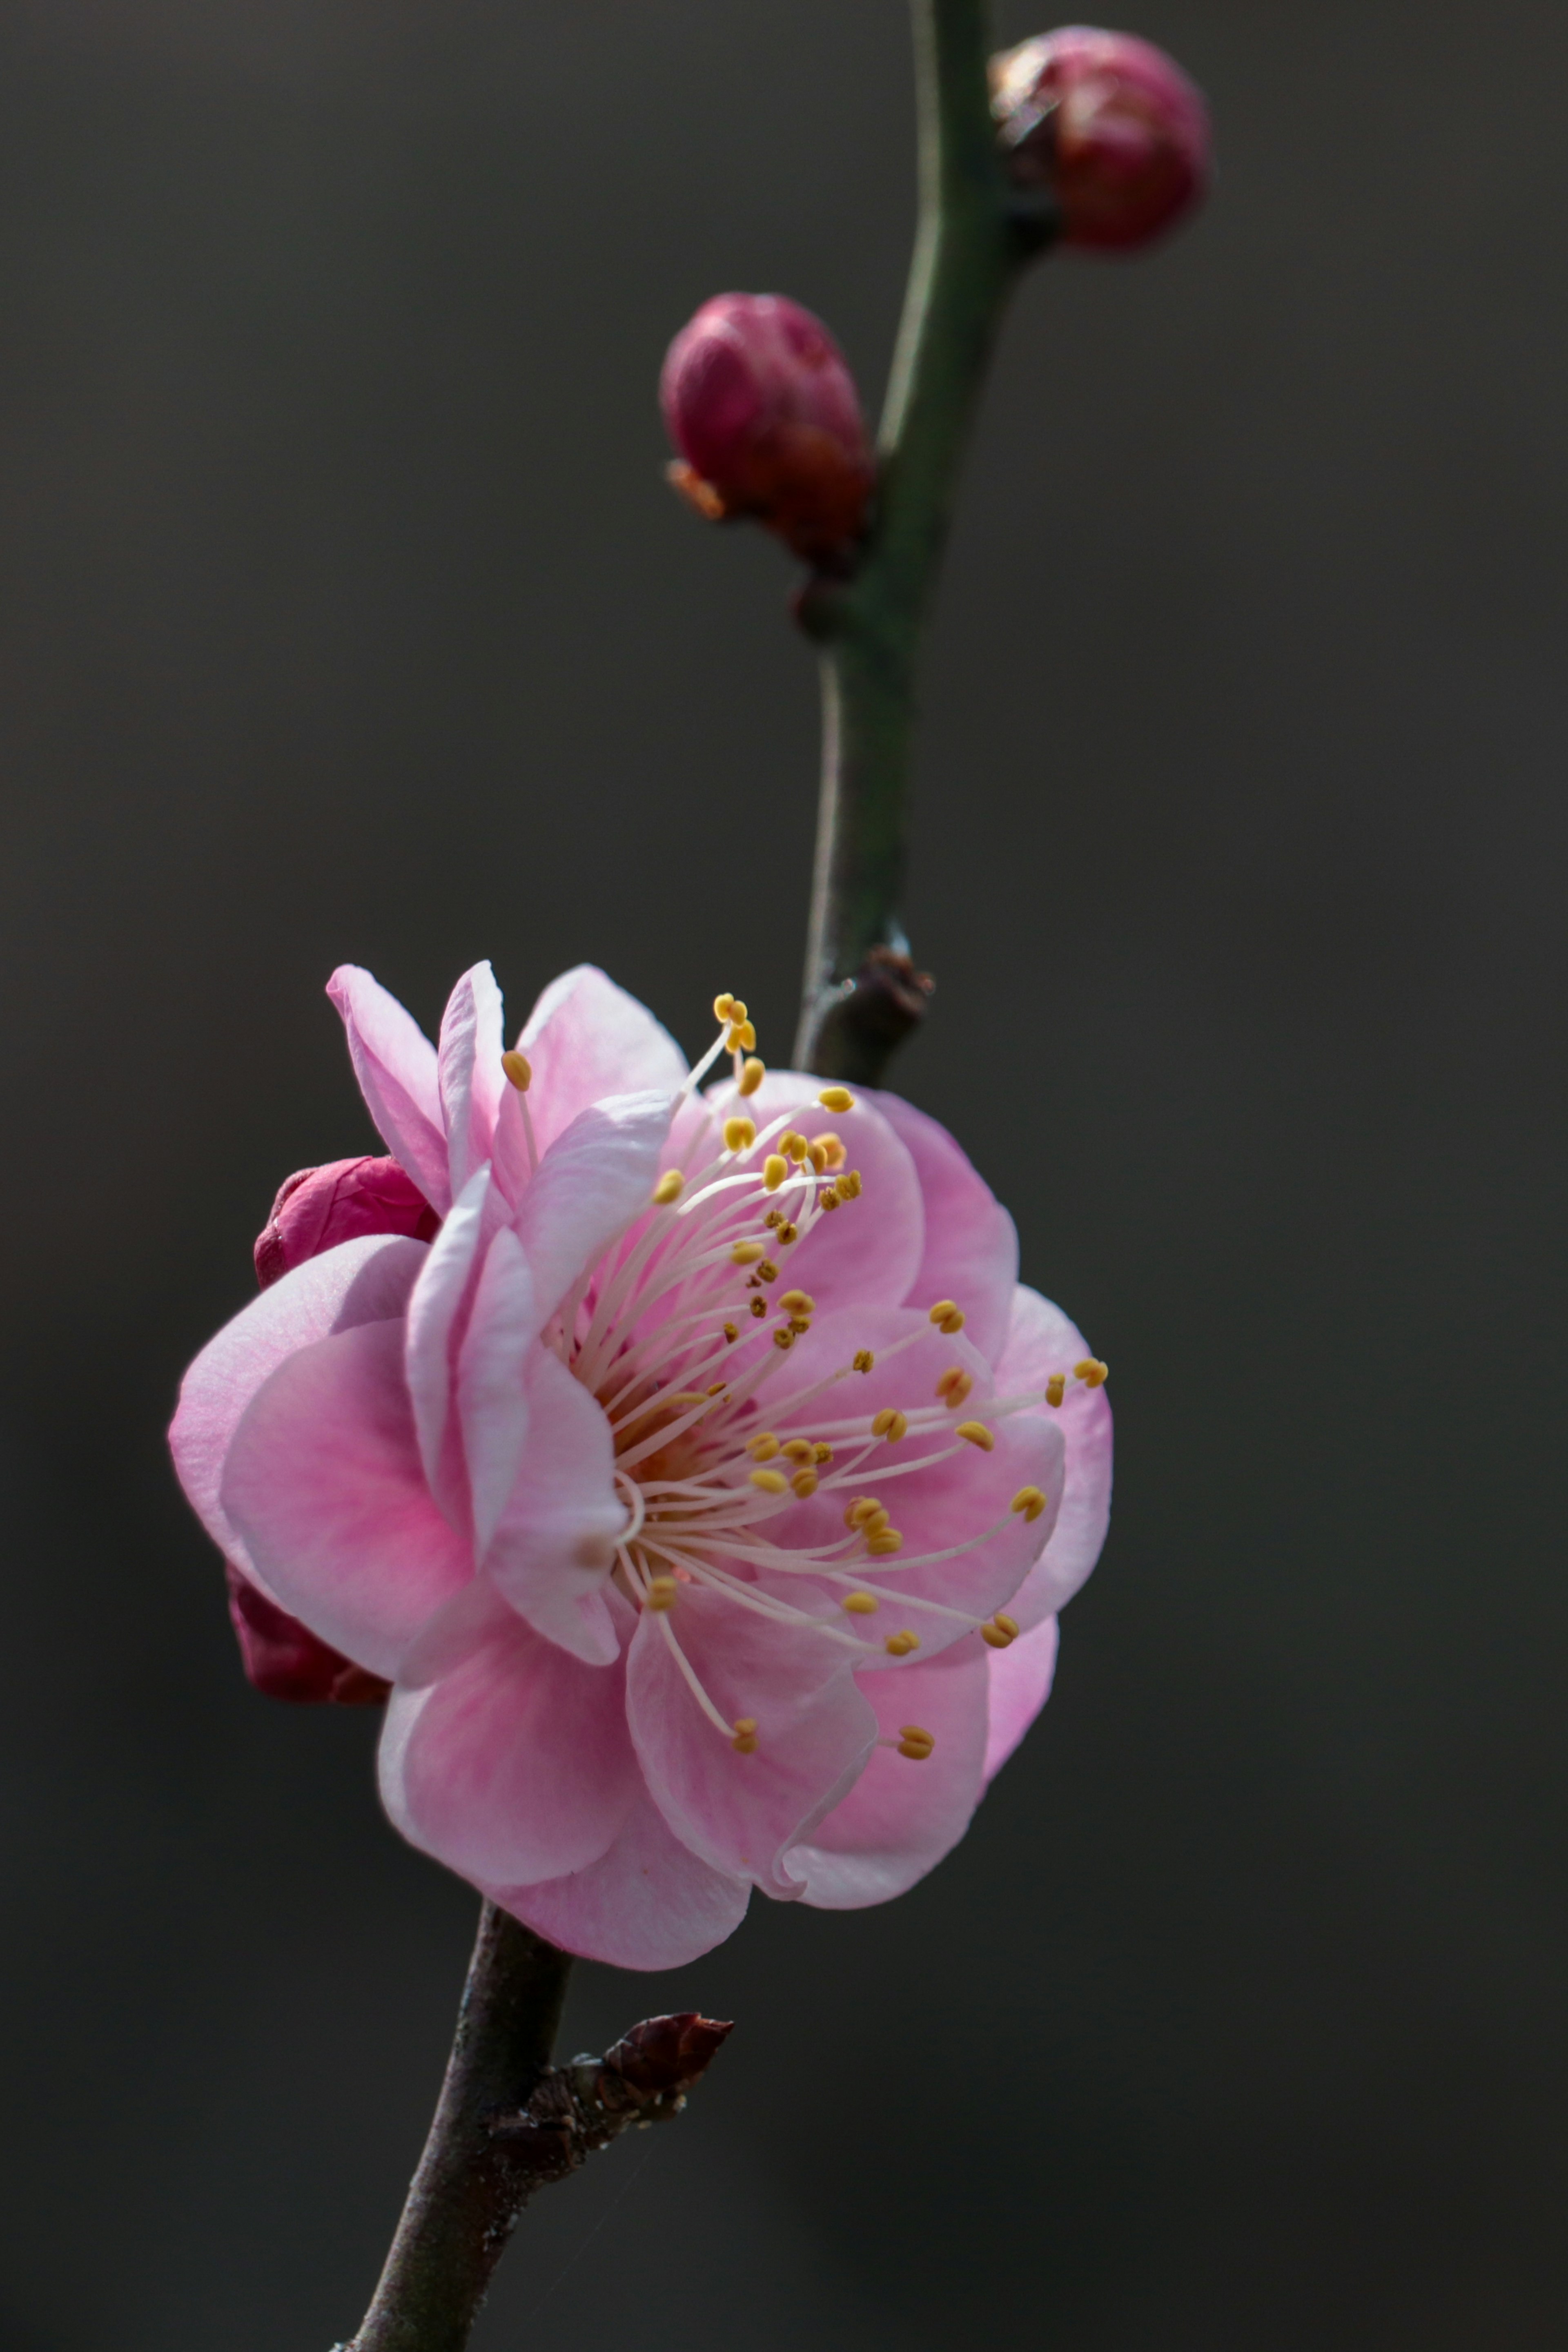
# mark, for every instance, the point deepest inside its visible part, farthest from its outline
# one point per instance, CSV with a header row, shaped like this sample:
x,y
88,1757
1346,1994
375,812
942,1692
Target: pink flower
x,y
1110,124
759,400
706,1490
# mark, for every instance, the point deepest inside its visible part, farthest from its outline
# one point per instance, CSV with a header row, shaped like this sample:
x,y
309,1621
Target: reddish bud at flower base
x,y
283,1660
761,403
1110,125
321,1207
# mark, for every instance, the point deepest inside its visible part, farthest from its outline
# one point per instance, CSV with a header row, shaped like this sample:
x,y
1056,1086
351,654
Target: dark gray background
x,y
343,613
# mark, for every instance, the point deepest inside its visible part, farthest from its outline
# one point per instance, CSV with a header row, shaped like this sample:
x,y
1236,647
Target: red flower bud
x,y
1110,125
314,1211
321,1207
761,403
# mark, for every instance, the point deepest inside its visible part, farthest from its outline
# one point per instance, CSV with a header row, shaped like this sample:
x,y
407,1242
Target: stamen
x,y
890,1425
899,1645
953,1385
739,1134
770,1482
828,1199
804,1483
787,1234
519,1070
861,1604
864,1507
765,1446
724,1008
784,1338
669,1188
661,1592
731,1334
1000,1634
747,1254
760,1306
801,1451
1056,1388
821,1452
947,1316
752,1073
742,1037
1030,1501
797,1302
836,1098
744,1740
914,1743
882,1542
774,1167
832,1150
1091,1372
864,1360
975,1432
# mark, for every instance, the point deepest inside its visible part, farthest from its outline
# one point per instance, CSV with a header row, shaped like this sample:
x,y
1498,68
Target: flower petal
x,y
492,1400
361,1281
649,1903
869,1249
435,1310
591,1182
555,1546
903,1814
504,1758
323,1481
469,1071
814,1731
1040,1340
971,1243
586,1038
1020,1685
394,1063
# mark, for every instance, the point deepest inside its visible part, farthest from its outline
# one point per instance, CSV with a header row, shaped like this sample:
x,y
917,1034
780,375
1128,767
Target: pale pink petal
x,y
815,1729
586,1038
649,1903
1020,1685
470,1069
361,1281
592,1181
502,1756
966,1493
971,1243
323,1482
867,1249
1040,1340
435,1310
492,1399
394,1063
555,1546
904,1814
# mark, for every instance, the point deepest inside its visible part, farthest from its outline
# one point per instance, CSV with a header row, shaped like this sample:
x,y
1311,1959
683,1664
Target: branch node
x,y
576,2109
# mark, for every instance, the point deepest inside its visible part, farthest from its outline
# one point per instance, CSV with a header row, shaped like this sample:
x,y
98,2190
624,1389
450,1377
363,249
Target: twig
x,y
508,2123
862,993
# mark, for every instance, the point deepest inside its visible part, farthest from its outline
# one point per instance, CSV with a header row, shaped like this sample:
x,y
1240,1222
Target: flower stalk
x,y
975,231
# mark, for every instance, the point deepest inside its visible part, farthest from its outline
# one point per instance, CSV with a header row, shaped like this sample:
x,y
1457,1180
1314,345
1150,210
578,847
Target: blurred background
x,y
344,615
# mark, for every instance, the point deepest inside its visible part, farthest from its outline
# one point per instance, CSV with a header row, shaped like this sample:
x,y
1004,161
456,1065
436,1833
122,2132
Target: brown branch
x,y
508,2123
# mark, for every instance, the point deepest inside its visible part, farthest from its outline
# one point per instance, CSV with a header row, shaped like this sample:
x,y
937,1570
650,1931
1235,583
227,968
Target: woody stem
x,y
975,232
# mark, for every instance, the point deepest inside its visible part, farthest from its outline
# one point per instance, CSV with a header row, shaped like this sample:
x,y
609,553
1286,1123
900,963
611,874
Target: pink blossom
x,y
1110,124
706,1490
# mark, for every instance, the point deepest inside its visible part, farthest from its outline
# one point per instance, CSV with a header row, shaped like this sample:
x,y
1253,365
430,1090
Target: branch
x,y
975,232
508,2123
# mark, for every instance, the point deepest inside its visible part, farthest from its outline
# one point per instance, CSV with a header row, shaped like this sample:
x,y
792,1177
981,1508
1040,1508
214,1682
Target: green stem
x,y
973,237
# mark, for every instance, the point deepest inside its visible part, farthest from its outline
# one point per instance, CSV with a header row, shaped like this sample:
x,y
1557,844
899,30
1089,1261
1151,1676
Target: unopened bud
x,y
761,403
285,1660
1109,125
323,1206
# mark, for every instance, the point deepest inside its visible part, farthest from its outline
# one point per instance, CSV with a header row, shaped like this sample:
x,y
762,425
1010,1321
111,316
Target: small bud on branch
x,y
1109,126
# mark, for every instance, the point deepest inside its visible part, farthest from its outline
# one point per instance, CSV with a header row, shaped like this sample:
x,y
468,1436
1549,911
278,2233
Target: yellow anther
x,y
723,1007
731,1334
914,1743
739,1134
890,1425
953,1385
799,1450
793,1145
804,1483
741,1038
947,1316
1091,1372
774,1167
1056,1388
682,1396
765,1446
899,1645
882,1542
821,1454
770,1482
832,1150
861,1604
818,1158
773,1220
1030,1501
787,1234
752,1074
744,1740
768,1271
828,1199
798,1302
975,1432
760,1306
1000,1634
661,1592
1008,1625
669,1188
864,1507
738,1010
784,1336
799,1325
848,1185
520,1070
863,1360
836,1098
745,1252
